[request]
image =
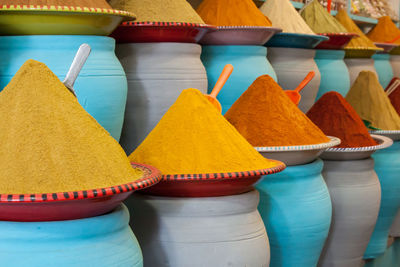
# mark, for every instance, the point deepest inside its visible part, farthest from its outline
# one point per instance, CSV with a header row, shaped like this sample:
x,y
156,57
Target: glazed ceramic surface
x,y
209,231
249,62
395,228
391,258
387,166
356,65
334,72
383,68
356,194
101,86
395,62
157,73
106,240
296,209
291,66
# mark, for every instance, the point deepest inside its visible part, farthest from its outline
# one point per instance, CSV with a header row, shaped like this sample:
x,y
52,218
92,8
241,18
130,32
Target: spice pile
x,y
193,138
266,116
159,10
232,13
283,15
319,20
360,42
372,104
336,117
50,143
385,31
69,3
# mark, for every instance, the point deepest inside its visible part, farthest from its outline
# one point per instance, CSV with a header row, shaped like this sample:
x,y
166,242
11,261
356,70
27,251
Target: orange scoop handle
x,y
226,72
395,39
329,6
306,80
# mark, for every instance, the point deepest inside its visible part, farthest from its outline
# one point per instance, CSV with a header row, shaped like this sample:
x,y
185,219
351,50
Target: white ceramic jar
x,y
356,65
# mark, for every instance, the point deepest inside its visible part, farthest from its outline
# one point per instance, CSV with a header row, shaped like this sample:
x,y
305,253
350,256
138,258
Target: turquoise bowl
x,y
383,68
101,86
334,72
296,208
249,62
105,240
387,166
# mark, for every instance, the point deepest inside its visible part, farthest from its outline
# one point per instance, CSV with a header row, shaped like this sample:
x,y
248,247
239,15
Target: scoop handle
x,y
395,39
226,72
76,66
306,80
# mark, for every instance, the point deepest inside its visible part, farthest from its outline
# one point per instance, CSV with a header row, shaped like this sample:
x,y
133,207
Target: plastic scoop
x,y
76,66
226,72
393,86
294,95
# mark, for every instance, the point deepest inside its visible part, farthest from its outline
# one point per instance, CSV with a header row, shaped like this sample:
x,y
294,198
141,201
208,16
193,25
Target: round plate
x,y
210,184
55,20
73,205
336,40
148,32
387,47
296,40
392,134
360,52
239,35
297,155
356,153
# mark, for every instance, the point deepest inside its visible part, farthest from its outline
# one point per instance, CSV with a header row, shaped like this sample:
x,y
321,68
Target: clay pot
x,y
395,62
383,68
356,65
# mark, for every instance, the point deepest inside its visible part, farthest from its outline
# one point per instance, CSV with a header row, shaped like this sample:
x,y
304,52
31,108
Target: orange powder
x,y
385,31
232,13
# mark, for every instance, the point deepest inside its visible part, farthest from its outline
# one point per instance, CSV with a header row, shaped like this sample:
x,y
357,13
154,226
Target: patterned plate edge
x,y
166,24
386,142
333,142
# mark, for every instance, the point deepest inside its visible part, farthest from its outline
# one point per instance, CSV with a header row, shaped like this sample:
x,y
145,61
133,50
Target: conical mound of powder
x,y
193,138
362,41
370,101
50,143
232,13
266,116
69,3
384,31
319,19
336,117
159,10
282,14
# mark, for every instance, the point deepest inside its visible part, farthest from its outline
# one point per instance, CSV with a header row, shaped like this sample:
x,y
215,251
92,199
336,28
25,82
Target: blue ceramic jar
x,y
334,73
383,68
387,166
101,87
105,240
296,209
391,258
249,62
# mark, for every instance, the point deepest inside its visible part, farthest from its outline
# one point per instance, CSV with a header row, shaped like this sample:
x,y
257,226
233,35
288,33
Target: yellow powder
x,y
372,104
193,138
159,10
357,42
385,31
50,143
283,15
319,19
232,13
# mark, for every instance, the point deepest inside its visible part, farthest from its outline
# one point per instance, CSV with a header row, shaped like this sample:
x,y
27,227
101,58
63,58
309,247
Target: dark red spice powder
x,y
336,117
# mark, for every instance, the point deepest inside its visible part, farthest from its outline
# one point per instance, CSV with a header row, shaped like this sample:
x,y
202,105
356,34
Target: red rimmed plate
x,y
73,205
239,35
211,184
150,32
336,40
387,47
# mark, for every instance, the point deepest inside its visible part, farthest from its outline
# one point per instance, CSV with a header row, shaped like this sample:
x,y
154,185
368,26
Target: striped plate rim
x,y
334,141
385,143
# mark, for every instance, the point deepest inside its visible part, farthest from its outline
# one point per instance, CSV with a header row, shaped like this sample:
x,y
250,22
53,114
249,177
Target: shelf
x,y
297,5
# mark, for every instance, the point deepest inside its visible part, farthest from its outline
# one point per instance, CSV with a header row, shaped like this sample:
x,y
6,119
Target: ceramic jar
x,y
395,62
334,73
157,73
356,194
395,228
249,62
101,85
356,65
208,231
296,209
390,258
105,240
383,68
291,66
387,166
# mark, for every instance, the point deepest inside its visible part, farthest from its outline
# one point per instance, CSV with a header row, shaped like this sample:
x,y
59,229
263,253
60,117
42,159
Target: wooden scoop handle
x,y
306,80
226,72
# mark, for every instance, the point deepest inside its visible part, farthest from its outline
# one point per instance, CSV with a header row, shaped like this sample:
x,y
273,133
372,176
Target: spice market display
x,y
151,133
